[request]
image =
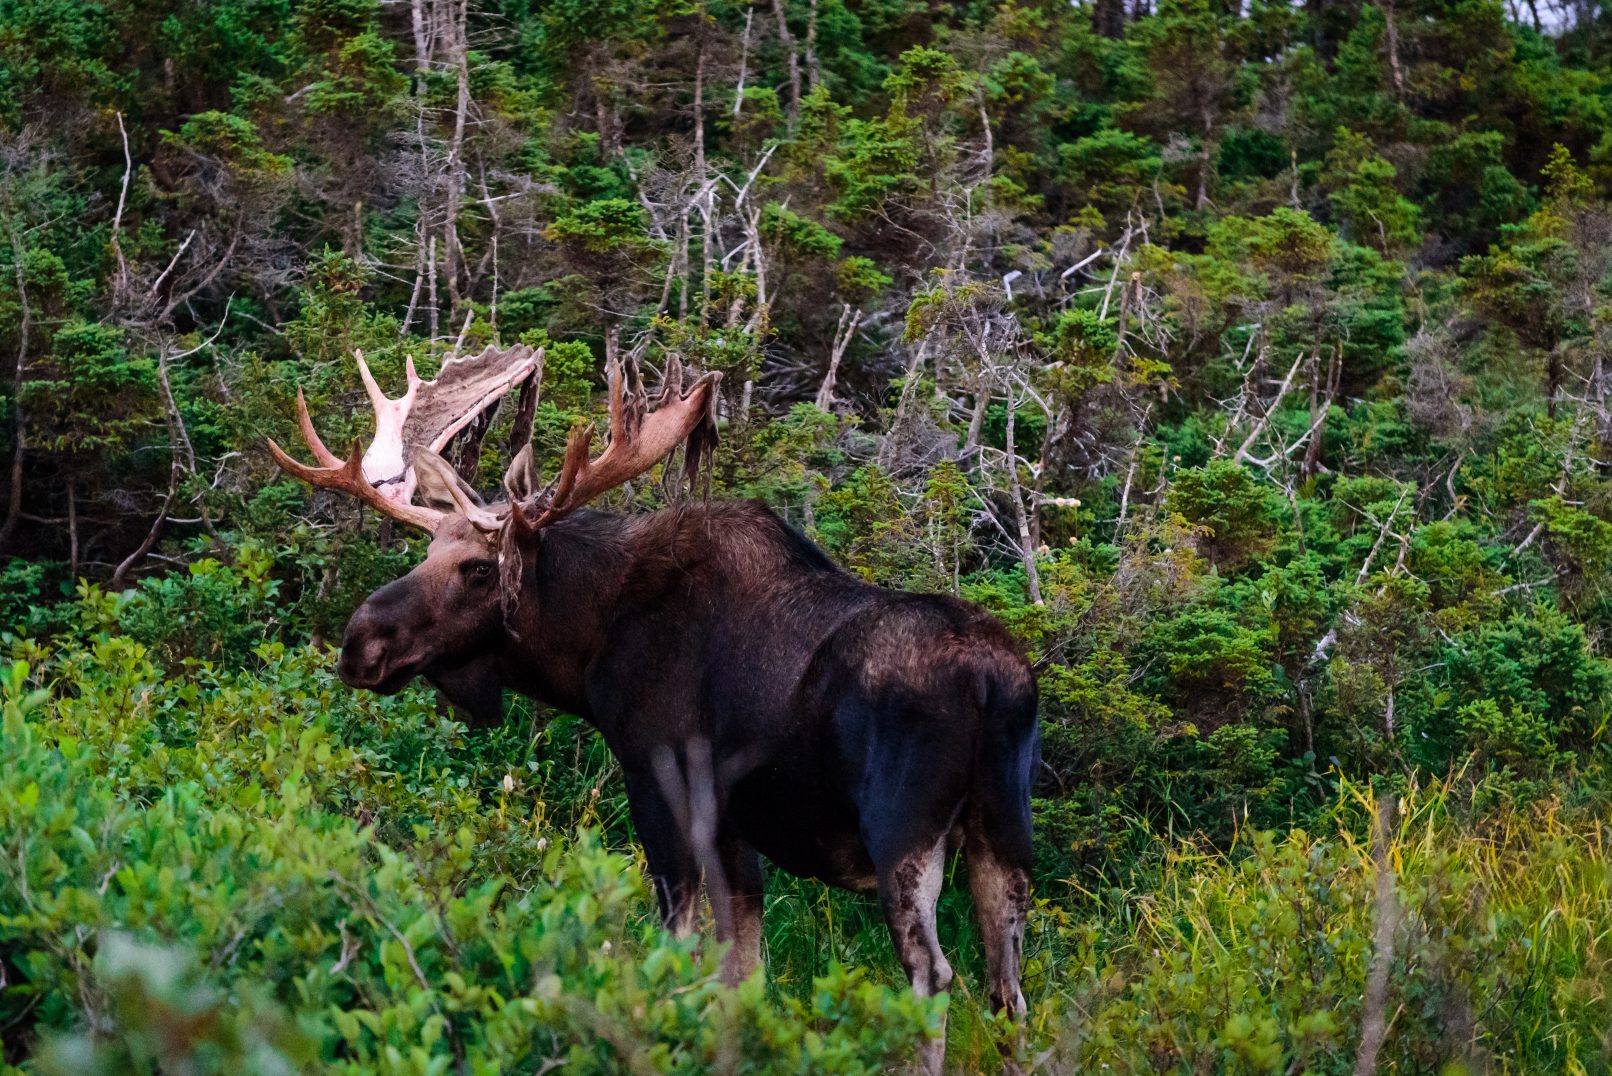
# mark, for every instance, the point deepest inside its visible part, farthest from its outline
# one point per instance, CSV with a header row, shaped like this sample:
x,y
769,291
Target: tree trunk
x,y
1205,155
787,40
706,253
431,286
814,70
843,335
744,63
1553,380
19,422
422,44
120,282
1108,18
699,103
976,421
682,264
419,278
455,163
1395,75
120,576
604,119
1032,576
72,530
1318,410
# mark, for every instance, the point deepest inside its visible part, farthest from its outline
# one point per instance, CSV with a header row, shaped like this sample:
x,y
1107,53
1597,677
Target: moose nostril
x,y
361,661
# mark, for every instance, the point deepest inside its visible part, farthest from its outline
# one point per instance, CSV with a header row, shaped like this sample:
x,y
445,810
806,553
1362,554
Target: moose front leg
x,y
741,867
673,870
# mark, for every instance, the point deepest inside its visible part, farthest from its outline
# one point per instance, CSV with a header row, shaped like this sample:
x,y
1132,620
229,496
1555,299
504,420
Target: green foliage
x,y
860,279
600,226
213,613
1109,169
797,235
328,945
876,162
1235,514
98,397
1301,315
1364,195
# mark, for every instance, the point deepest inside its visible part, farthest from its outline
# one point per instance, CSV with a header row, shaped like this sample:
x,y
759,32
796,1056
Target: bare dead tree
x,y
1267,410
1026,541
1374,1007
787,40
844,333
744,62
120,281
181,456
21,155
19,370
814,71
454,167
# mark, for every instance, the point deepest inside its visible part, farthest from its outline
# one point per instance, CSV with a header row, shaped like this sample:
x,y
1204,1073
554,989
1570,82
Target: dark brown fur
x,y
851,728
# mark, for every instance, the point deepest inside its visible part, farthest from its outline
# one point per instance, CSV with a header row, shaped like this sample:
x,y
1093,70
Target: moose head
x,y
448,619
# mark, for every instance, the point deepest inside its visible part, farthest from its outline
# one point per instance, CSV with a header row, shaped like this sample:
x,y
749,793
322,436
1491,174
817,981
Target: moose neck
x,y
570,585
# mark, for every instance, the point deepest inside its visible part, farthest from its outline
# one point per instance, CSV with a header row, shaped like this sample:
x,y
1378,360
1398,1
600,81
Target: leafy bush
x,y
226,915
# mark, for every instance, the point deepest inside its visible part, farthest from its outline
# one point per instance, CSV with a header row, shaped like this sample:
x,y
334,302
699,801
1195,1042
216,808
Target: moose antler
x,y
411,430
347,477
426,416
430,413
640,437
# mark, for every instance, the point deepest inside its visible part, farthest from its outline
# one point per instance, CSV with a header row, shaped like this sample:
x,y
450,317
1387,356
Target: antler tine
x,y
575,463
346,476
384,475
310,437
385,460
638,440
672,383
618,403
377,398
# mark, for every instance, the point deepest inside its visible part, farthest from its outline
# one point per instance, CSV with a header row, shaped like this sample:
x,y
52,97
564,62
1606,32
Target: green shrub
x,y
228,916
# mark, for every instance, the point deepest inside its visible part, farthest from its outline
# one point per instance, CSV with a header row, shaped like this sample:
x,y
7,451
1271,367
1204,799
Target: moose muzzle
x,y
371,651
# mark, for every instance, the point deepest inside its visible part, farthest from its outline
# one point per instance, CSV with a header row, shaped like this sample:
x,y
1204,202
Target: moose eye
x,y
480,571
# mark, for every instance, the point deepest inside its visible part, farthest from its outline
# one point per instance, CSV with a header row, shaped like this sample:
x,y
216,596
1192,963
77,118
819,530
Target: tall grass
x,y
1256,958
1499,949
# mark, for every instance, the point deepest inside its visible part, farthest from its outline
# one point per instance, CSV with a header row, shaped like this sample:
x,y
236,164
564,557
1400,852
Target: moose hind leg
x,y
909,889
1001,892
997,843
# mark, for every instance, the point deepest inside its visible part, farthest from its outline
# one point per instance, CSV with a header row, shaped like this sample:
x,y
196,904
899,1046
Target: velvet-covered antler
x,y
425,418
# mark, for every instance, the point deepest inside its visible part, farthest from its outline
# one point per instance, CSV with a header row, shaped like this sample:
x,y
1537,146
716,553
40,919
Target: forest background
x,y
1250,360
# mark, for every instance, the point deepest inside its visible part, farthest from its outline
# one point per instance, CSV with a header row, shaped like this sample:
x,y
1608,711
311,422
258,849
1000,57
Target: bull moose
x,y
847,732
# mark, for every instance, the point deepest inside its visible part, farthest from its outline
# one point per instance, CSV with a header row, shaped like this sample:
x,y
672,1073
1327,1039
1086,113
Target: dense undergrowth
x,y
237,864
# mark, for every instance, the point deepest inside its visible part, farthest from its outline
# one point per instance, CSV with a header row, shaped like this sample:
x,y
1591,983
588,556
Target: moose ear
x,y
440,486
520,481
